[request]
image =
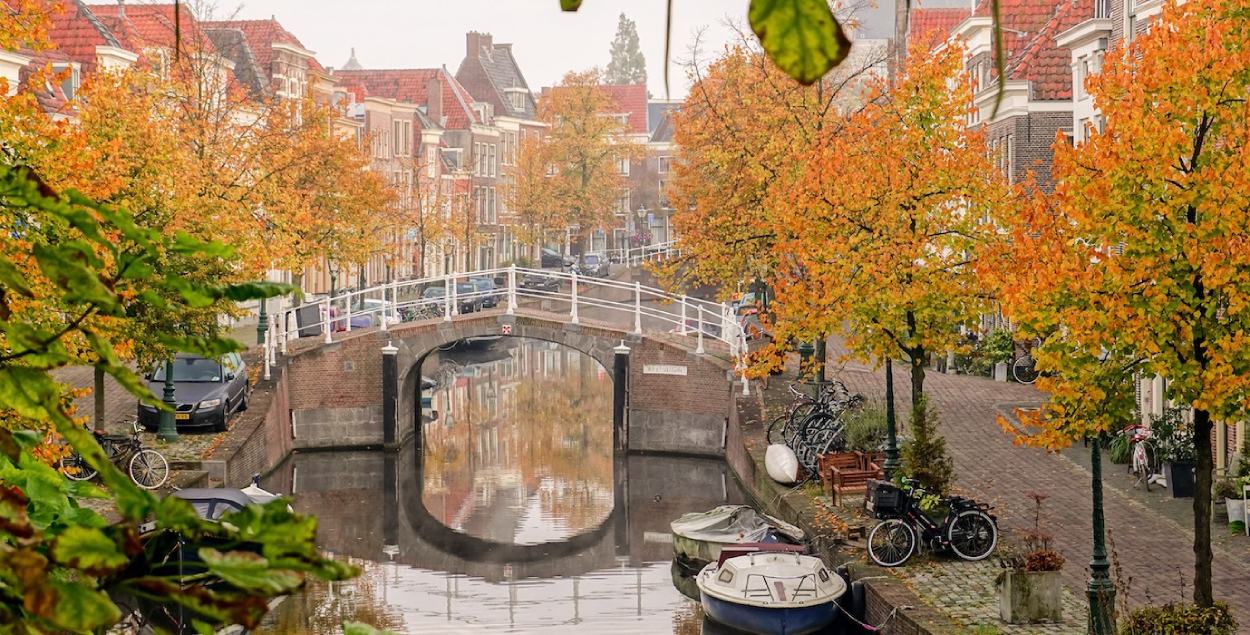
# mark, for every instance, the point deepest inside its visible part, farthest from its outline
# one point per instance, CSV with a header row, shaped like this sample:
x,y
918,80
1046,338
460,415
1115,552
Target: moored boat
x,y
770,592
699,537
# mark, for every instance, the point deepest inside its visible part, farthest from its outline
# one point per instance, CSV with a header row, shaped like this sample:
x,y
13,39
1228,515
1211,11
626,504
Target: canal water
x,y
510,515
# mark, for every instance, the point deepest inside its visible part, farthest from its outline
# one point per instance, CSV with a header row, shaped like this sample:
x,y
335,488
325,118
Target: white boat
x,y
770,592
698,537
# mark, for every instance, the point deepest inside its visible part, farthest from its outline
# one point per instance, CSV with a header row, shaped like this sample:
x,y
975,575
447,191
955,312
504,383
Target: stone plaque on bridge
x,y
663,369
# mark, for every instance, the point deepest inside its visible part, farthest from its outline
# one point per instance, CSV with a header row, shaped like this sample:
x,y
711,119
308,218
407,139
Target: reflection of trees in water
x,y
688,619
324,606
540,420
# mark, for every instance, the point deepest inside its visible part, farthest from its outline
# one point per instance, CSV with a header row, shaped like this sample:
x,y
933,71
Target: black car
x,y
551,258
465,298
487,287
536,282
207,390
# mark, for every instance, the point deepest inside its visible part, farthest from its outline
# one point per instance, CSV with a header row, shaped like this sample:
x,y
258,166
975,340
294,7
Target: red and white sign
x,y
507,329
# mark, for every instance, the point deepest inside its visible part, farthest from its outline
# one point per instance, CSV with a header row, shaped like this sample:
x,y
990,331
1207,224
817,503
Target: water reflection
x,y
521,452
515,518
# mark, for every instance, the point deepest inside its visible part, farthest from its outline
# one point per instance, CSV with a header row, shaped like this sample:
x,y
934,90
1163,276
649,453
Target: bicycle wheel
x,y
972,535
824,433
76,469
891,542
1024,369
1152,465
794,423
149,469
777,429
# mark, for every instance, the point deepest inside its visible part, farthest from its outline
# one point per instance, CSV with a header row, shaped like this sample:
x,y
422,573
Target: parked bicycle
x,y
147,467
814,426
1023,366
1144,463
968,529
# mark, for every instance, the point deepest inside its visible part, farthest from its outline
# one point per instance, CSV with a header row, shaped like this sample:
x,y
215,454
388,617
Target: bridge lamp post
x,y
167,429
642,215
1100,590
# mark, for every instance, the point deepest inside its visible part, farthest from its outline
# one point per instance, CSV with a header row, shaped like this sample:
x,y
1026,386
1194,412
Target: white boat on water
x,y
770,592
698,537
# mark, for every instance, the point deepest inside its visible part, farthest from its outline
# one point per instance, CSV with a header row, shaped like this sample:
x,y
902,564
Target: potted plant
x,y
1029,587
1174,439
998,349
1223,491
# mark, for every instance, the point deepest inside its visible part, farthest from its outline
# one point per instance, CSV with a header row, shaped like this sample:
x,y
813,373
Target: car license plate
x,y
182,416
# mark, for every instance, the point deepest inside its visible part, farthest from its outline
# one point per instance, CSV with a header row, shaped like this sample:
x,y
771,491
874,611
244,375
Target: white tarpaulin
x,y
730,524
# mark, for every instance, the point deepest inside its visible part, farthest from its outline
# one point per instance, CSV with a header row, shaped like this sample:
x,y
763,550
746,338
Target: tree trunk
x,y
917,358
1203,594
99,399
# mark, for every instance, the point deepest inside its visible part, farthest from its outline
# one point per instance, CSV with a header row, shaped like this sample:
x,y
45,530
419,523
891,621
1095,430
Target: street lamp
x,y
262,324
891,427
1100,590
168,429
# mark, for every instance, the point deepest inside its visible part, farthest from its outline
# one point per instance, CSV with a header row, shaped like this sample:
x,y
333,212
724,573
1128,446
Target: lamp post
x,y
262,323
891,427
1100,590
168,429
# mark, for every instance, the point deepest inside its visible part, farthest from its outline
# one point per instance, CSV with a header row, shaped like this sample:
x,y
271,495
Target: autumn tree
x,y
585,144
531,194
885,256
1141,249
627,66
737,134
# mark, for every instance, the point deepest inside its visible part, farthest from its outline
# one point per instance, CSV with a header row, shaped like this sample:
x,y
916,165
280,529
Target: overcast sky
x,y
546,42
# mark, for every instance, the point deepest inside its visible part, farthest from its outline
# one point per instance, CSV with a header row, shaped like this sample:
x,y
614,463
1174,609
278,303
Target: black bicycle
x,y
968,529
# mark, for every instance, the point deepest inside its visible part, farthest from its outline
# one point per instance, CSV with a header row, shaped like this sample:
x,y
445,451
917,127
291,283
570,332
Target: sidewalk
x,y
1153,536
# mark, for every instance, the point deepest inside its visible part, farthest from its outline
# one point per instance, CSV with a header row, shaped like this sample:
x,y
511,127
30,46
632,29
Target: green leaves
x,y
249,571
570,5
75,607
88,550
802,37
357,628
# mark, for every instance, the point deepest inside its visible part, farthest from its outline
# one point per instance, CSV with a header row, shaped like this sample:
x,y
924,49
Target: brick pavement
x,y
1153,536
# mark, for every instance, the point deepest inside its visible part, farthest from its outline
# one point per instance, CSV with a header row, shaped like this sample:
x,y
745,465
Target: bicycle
x,y
833,396
1023,366
968,530
147,468
1144,464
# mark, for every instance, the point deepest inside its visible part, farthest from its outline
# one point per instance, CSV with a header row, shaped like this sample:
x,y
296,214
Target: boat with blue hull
x,y
770,592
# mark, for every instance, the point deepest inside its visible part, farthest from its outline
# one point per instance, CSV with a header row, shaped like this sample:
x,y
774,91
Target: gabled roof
x,y
496,63
233,45
411,85
261,35
76,32
1042,61
48,91
140,26
932,26
630,99
660,119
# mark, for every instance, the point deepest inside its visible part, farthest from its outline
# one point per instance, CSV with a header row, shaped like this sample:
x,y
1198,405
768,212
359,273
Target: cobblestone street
x,y
1152,533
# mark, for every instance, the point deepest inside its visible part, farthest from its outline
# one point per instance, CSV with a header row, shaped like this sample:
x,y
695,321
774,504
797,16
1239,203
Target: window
x,y
622,203
492,162
431,161
551,169
518,100
1082,72
663,162
403,137
622,166
69,78
492,213
663,190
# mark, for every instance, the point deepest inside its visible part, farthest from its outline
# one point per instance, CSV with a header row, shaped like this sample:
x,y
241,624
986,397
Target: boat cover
x,y
732,524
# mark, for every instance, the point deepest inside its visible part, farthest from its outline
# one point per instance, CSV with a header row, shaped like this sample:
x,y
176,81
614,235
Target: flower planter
x,y
1236,509
1180,477
1026,597
1219,511
1000,371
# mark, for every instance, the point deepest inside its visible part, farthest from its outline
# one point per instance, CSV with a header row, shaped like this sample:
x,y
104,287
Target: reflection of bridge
x,y
370,505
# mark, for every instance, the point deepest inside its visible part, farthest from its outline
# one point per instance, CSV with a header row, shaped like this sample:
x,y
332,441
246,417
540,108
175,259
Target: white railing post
x,y
455,298
573,307
746,383
699,328
285,333
268,352
638,307
348,304
329,323
683,315
447,287
512,288
385,308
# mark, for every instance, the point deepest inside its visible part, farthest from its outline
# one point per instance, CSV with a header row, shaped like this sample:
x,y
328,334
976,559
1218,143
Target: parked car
x,y
207,390
550,258
487,287
595,265
537,282
464,296
376,307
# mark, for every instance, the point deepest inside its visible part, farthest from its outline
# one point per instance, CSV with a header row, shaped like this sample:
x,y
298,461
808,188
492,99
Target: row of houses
x,y
1051,47
446,141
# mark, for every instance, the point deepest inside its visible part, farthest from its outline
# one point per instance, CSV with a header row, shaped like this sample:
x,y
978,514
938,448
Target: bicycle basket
x,y
883,498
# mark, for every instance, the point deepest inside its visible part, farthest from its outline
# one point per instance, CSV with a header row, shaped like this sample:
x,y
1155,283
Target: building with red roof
x,y
268,59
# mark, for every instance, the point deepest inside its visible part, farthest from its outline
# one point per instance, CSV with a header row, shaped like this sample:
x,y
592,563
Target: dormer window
x,y
67,75
516,98
483,111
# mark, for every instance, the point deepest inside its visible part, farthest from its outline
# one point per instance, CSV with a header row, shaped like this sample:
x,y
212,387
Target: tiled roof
x,y
1043,62
503,72
48,93
140,26
933,26
76,32
631,99
261,35
660,119
409,85
232,44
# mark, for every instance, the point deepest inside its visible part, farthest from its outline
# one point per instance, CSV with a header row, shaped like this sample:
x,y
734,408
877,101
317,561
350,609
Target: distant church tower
x,y
353,64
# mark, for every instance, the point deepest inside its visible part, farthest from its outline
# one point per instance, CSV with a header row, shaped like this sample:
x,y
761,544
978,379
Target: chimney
x,y
434,99
475,42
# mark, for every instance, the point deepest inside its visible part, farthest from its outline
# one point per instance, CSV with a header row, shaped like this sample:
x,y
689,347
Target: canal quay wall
x,y
887,600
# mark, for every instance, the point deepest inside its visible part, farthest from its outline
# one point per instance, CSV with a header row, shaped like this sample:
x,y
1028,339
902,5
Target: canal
x,y
511,513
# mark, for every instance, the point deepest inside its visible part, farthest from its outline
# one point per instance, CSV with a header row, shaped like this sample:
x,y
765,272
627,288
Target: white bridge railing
x,y
644,253
629,305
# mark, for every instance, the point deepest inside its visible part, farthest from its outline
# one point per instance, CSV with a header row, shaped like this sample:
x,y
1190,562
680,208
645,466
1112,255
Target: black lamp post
x,y
891,427
168,429
1101,590
262,324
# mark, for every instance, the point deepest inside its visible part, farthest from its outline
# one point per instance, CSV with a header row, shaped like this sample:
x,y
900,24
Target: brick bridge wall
x,y
679,401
